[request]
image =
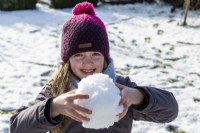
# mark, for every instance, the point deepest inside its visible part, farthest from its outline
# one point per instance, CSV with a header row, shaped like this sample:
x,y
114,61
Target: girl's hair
x,y
59,85
60,78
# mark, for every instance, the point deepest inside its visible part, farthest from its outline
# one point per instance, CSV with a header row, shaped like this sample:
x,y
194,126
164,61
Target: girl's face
x,y
86,63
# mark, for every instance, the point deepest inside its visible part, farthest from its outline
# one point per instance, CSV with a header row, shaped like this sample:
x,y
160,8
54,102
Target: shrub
x,y
68,3
17,4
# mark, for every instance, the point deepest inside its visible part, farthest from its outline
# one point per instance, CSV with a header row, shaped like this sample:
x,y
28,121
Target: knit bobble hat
x,y
84,31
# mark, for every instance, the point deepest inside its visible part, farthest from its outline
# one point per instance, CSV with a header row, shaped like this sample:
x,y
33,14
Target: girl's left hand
x,y
129,96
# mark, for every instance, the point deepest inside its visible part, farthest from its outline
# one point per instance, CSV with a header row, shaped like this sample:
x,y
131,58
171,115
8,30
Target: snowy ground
x,y
146,44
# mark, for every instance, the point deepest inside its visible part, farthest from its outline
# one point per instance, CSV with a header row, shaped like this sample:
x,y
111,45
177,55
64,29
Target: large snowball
x,y
104,100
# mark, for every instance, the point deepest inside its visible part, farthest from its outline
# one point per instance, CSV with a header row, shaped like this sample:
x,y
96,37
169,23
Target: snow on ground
x,y
146,44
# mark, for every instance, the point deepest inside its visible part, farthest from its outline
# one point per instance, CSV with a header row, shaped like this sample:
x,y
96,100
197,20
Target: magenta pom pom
x,y
83,8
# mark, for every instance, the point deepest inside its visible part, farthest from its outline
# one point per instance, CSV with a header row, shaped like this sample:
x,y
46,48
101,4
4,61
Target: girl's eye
x,y
96,54
78,55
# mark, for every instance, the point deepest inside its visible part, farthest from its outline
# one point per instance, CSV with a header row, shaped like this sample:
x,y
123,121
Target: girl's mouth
x,y
88,72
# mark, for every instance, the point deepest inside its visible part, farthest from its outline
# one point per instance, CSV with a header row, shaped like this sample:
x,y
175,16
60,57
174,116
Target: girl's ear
x,y
105,65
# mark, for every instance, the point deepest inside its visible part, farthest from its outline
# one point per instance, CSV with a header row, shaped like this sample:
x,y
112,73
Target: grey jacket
x,y
160,106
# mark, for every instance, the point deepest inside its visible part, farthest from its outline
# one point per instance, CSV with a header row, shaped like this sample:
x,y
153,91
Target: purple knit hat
x,y
84,31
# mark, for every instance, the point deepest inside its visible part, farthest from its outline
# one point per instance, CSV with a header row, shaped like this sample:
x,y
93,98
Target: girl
x,y
85,51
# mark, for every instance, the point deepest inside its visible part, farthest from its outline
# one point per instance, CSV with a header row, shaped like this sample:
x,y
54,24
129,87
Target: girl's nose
x,y
87,61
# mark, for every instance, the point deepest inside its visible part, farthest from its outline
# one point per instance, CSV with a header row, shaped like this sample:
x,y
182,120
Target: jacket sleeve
x,y
161,106
32,118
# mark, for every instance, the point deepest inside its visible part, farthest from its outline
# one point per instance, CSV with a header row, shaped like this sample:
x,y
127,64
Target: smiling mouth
x,y
88,71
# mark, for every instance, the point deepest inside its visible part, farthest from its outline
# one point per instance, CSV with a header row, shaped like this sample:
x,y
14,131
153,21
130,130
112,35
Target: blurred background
x,y
31,4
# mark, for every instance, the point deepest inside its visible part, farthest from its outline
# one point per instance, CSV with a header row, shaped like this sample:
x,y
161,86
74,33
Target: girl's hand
x,y
65,105
129,96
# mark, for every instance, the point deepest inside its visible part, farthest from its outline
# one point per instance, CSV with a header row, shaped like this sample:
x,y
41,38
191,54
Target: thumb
x,y
120,86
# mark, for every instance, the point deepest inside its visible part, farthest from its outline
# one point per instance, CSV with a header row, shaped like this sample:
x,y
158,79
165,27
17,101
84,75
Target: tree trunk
x,y
186,9
194,4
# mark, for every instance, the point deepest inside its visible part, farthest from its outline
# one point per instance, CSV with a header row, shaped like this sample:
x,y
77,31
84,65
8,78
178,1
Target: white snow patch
x,y
103,100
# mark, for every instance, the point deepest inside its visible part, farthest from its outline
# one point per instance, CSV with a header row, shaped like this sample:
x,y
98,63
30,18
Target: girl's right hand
x,y
65,105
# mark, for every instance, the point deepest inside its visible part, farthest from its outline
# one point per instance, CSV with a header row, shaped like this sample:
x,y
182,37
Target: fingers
x,y
78,117
81,109
121,115
71,95
82,118
78,96
75,118
120,86
122,101
75,111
